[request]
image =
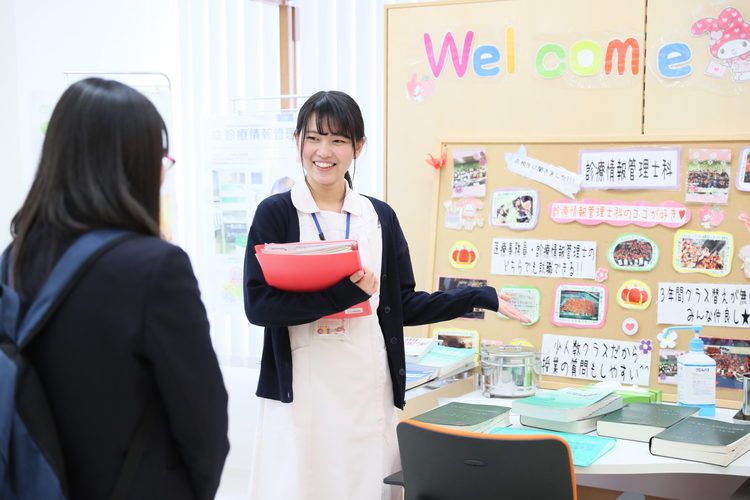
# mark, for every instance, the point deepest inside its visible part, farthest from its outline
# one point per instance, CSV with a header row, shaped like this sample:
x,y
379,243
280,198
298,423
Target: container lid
x,y
508,350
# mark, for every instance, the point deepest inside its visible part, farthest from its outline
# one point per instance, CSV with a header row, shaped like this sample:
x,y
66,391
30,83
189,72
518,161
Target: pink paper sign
x,y
620,213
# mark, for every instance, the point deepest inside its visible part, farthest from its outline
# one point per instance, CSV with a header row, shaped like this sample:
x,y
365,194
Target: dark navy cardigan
x,y
276,221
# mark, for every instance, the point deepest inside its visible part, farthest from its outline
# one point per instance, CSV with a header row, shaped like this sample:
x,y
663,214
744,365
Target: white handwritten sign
x,y
646,168
544,258
596,359
562,179
704,304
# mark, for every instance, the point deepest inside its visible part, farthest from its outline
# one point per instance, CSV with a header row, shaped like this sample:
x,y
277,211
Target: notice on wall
x,y
644,168
554,176
596,359
620,213
544,258
704,304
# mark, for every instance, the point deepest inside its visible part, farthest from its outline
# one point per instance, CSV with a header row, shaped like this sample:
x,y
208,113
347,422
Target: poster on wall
x,y
620,213
580,306
595,359
633,252
524,298
703,252
722,305
708,176
554,176
743,170
634,168
515,208
544,258
732,358
469,173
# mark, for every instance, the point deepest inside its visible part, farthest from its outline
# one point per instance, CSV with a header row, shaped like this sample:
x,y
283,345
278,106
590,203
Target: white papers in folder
x,y
313,248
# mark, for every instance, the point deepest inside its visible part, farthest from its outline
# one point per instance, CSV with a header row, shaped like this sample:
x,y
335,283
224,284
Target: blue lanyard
x,y
320,230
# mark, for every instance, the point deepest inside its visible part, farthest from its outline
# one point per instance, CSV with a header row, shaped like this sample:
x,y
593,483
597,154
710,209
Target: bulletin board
x,y
466,80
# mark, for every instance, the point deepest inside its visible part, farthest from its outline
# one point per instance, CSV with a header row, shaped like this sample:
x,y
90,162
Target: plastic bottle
x,y
696,376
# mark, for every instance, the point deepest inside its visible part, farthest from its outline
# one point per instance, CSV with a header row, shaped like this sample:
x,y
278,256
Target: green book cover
x,y
651,414
461,414
705,432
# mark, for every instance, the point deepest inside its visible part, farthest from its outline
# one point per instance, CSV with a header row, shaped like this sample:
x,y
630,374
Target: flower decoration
x,y
437,163
601,274
667,340
646,346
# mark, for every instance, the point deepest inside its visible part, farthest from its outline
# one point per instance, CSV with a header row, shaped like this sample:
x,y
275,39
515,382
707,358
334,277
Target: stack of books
x,y
445,361
641,421
572,409
702,440
416,348
467,417
416,377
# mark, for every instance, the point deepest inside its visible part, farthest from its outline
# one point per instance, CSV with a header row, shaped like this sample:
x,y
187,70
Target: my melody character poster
x,y
729,43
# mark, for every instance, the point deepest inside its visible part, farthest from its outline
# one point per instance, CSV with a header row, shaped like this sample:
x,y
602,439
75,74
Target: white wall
x,y
41,40
10,178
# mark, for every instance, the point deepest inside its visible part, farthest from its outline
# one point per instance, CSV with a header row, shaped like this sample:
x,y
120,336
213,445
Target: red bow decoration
x,y
435,162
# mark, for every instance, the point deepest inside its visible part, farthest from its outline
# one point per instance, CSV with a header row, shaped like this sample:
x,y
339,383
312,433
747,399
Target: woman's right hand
x,y
366,280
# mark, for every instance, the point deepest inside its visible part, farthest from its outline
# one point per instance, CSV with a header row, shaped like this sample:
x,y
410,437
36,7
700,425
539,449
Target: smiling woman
x,y
328,400
329,140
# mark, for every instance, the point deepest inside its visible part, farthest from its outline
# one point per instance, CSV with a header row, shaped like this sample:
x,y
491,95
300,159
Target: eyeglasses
x,y
167,162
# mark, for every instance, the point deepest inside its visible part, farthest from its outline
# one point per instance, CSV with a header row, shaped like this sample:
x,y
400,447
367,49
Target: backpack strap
x,y
71,266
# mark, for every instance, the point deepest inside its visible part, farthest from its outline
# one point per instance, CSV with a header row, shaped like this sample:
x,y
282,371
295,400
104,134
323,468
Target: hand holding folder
x,y
311,267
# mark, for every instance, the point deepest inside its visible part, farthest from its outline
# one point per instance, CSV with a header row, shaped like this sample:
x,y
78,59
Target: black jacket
x,y
276,221
134,329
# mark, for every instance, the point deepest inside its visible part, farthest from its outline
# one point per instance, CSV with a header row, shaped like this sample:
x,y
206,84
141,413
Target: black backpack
x,y
31,460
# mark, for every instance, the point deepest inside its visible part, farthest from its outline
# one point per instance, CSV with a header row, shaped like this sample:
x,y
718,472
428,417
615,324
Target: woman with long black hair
x,y
131,340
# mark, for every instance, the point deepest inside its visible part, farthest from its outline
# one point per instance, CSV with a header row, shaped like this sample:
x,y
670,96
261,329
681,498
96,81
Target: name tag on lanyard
x,y
330,328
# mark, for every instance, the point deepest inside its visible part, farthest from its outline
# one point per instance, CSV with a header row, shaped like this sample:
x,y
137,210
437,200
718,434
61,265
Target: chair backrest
x,y
446,464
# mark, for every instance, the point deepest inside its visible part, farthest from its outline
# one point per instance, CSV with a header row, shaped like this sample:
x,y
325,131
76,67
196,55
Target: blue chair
x,y
446,464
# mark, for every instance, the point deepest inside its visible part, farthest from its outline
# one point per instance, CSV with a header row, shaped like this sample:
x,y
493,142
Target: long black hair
x,y
100,166
336,112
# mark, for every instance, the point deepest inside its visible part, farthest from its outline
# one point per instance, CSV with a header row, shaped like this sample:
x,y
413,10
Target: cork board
x,y
441,96
502,186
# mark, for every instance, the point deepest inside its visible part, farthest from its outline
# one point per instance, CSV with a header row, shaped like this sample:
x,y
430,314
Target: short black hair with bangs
x,y
336,112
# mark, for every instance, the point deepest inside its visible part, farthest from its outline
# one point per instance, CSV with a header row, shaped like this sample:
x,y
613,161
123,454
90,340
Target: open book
x,y
311,267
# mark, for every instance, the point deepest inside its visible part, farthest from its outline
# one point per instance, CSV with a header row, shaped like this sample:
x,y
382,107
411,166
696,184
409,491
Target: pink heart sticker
x,y
630,326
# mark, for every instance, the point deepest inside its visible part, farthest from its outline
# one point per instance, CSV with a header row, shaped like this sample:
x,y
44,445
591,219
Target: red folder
x,y
311,272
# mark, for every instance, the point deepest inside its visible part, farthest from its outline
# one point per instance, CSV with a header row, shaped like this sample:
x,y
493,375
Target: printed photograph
x,y
465,339
709,253
469,174
708,176
447,283
732,359
580,306
668,366
633,253
743,171
516,209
